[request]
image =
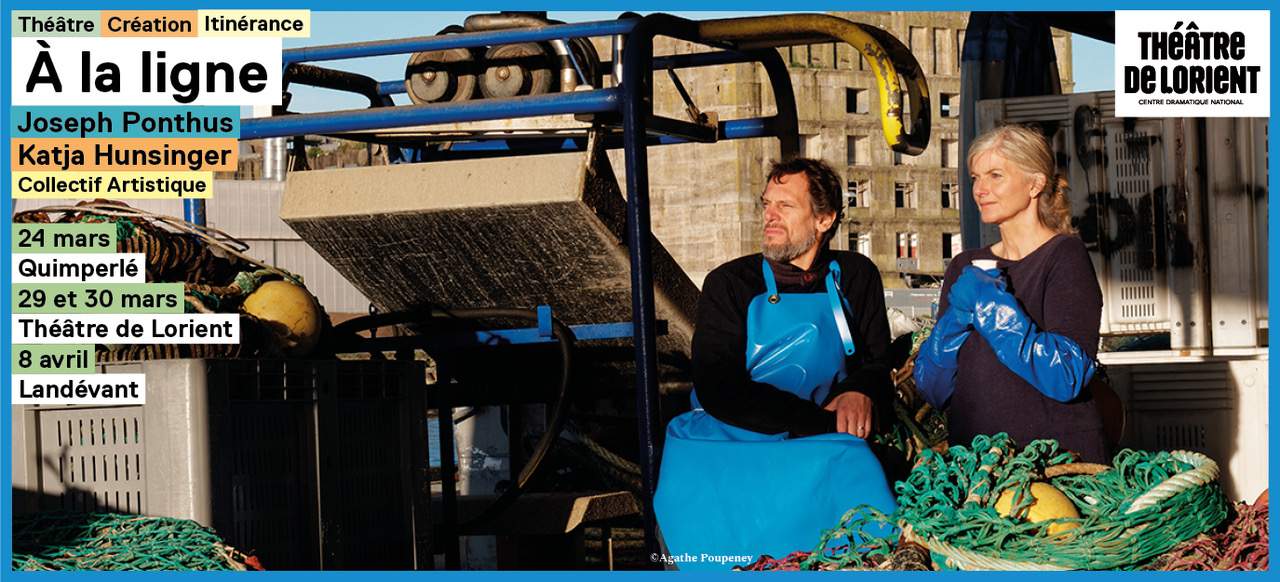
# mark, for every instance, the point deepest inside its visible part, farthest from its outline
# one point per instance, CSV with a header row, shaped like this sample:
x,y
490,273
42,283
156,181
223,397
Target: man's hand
x,y
853,413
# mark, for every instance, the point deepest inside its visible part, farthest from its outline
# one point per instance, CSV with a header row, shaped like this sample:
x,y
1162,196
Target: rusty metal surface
x,y
898,76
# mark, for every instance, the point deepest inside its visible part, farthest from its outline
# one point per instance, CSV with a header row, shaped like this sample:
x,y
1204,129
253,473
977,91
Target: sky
x,y
1092,61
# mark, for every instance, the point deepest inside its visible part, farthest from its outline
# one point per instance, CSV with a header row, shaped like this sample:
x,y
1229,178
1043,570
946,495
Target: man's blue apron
x,y
727,495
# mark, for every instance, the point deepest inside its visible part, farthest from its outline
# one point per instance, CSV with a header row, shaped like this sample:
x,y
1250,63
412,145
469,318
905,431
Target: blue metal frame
x,y
631,101
507,147
397,86
597,101
356,50
534,335
389,88
193,211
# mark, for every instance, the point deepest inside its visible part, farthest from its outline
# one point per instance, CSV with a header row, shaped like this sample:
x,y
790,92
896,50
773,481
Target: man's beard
x,y
788,251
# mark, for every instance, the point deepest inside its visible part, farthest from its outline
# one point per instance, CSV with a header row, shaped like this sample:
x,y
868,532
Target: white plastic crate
x,y
1217,407
307,464
1173,211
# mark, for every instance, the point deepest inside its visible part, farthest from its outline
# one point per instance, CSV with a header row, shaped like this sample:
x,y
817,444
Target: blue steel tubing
x,y
193,211
707,59
726,57
637,83
597,101
745,128
634,98
785,124
732,129
313,76
388,88
577,67
503,147
398,46
637,106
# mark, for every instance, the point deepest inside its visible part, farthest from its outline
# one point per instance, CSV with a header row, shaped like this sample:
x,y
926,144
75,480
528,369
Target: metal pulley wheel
x,y
444,75
517,69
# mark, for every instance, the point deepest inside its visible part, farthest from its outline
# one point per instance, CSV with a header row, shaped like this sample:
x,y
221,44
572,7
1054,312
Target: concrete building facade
x,y
902,211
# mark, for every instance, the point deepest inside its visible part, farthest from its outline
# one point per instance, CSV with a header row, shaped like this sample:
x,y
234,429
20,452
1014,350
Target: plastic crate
x,y
1217,407
307,464
1171,212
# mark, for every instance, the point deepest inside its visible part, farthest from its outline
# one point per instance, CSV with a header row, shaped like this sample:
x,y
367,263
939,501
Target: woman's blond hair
x,y
1028,149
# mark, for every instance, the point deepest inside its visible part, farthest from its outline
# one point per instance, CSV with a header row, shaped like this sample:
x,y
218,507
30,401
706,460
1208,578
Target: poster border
x,y
6,548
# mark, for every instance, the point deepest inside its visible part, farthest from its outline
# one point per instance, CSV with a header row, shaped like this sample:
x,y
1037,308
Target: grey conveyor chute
x,y
531,230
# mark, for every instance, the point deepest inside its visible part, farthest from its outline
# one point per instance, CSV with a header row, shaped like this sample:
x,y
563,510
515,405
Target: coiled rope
x,y
110,541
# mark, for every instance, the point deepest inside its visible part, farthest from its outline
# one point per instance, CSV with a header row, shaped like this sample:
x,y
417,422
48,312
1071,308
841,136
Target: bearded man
x,y
790,364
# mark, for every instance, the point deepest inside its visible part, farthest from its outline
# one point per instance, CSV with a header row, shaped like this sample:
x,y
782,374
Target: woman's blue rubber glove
x,y
1054,364
964,292
935,370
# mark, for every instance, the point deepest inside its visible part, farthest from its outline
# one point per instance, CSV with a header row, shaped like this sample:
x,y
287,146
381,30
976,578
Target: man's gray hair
x,y
826,190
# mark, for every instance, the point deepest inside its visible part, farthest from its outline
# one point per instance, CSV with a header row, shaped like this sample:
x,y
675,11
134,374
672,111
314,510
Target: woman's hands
x,y
936,363
972,284
1054,364
935,370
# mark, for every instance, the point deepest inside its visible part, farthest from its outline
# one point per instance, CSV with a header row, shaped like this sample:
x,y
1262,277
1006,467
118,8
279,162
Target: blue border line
x,y
6,213
1273,232
6,553
650,6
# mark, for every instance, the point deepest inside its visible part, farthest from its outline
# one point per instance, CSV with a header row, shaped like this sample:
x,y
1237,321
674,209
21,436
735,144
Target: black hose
x,y
313,76
471,412
564,338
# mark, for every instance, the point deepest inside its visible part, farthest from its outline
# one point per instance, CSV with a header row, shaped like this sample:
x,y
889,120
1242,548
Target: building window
x,y
959,49
844,56
950,195
918,40
858,193
856,100
811,146
901,159
948,105
860,242
950,245
950,151
908,245
942,51
822,56
857,152
904,195
800,56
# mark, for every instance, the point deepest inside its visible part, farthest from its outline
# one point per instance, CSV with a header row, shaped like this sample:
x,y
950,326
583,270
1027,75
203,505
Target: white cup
x,y
985,264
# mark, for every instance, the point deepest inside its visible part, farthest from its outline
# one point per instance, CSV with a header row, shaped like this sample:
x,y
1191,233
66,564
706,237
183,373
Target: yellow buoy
x,y
1049,504
290,312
